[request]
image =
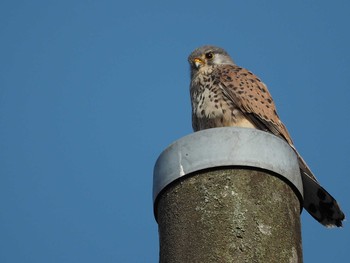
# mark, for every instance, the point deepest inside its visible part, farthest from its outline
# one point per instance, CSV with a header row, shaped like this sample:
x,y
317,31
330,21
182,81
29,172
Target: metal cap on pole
x,y
228,195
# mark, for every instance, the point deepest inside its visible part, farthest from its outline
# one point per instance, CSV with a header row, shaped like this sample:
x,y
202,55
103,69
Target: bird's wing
x,y
253,98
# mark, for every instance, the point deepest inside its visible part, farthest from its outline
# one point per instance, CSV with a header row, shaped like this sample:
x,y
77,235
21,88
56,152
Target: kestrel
x,y
224,94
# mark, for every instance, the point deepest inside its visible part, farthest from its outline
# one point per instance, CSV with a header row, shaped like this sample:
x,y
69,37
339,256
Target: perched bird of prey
x,y
224,94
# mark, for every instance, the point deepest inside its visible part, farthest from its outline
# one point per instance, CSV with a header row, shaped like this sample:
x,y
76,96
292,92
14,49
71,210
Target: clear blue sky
x,y
91,92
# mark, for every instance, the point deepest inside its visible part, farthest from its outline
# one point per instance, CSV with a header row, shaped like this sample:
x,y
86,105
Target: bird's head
x,y
208,56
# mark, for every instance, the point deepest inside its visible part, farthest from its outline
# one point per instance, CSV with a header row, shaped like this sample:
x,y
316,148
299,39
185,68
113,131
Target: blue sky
x,y
91,92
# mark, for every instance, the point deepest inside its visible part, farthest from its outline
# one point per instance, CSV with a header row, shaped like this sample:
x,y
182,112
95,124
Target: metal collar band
x,y
229,146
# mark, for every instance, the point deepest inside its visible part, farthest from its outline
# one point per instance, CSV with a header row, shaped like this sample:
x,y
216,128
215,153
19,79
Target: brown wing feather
x,y
253,98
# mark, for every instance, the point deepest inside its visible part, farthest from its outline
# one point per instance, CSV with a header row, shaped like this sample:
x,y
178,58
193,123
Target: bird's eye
x,y
209,55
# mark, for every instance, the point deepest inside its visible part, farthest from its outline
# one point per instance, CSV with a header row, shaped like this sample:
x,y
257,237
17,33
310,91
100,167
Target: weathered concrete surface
x,y
229,215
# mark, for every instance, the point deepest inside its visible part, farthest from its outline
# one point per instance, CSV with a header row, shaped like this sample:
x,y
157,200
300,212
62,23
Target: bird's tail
x,y
317,201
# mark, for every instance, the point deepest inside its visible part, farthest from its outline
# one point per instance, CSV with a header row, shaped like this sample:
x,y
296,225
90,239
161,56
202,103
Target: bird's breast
x,y
211,108
208,104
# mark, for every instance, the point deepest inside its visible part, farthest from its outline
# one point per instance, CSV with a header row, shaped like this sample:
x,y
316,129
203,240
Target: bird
x,y
224,94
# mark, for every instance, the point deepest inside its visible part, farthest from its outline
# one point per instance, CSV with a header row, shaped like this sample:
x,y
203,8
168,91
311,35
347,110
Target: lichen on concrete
x,y
229,215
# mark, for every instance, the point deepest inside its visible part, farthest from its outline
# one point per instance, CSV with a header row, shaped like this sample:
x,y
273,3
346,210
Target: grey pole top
x,y
228,146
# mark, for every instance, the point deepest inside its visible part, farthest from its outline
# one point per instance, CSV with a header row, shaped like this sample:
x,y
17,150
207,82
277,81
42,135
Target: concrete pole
x,y
228,195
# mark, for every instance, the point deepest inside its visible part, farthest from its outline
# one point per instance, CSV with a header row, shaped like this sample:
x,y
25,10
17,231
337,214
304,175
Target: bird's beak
x,y
198,62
